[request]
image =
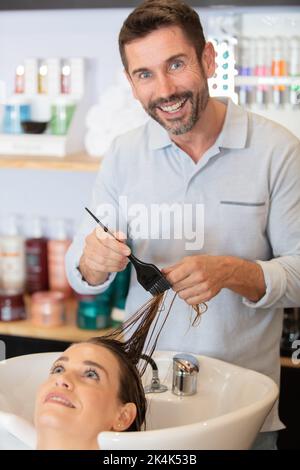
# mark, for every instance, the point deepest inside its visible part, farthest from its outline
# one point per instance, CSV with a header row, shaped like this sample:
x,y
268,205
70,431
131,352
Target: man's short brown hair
x,y
154,14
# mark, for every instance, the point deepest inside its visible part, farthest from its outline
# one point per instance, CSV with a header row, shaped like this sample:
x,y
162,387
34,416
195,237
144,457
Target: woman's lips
x,y
60,399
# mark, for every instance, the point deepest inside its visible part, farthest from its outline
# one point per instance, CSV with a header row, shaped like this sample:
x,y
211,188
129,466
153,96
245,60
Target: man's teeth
x,y
173,108
61,400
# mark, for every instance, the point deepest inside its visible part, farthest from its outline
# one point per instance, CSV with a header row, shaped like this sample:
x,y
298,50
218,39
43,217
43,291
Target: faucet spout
x,y
155,386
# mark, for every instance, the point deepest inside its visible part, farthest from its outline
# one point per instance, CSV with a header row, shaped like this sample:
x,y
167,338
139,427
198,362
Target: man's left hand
x,y
199,278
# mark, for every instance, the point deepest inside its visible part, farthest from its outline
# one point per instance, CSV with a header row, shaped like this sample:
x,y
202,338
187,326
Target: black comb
x,y
148,275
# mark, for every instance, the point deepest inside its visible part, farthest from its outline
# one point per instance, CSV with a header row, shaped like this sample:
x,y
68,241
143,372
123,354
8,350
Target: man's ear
x,y
209,60
125,417
131,83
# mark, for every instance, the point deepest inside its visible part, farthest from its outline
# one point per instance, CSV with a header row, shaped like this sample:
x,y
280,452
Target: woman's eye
x,y
92,374
176,65
57,369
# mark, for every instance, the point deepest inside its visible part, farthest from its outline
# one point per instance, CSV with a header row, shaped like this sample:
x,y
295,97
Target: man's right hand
x,y
102,255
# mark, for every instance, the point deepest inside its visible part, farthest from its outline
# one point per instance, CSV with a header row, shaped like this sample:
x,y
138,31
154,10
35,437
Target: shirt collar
x,y
232,135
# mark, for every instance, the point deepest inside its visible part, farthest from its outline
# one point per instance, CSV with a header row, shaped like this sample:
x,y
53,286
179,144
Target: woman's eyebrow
x,y
95,364
62,358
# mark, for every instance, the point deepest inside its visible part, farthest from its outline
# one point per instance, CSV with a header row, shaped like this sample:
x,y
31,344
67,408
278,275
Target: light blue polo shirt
x,y
242,198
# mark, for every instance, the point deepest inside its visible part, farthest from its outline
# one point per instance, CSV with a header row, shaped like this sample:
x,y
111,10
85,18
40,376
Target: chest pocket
x,y
242,228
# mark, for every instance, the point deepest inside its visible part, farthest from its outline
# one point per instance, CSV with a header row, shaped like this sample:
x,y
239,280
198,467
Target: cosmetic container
x,y
12,307
57,247
36,256
47,309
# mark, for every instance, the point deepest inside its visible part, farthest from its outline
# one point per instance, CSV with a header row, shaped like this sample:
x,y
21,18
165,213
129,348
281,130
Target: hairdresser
x,y
236,177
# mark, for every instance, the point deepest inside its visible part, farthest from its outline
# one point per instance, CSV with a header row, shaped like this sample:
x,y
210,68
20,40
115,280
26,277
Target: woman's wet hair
x,y
130,383
129,349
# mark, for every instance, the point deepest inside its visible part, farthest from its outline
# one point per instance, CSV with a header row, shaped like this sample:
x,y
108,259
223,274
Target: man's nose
x,y
165,86
65,381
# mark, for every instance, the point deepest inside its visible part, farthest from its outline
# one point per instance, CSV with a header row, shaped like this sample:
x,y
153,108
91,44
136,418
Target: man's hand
x,y
102,255
199,278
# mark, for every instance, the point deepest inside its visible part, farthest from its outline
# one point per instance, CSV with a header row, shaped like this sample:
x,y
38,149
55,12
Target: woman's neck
x,y
53,440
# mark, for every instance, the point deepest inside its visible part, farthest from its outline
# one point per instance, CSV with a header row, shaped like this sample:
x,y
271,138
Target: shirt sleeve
x,y
104,204
282,272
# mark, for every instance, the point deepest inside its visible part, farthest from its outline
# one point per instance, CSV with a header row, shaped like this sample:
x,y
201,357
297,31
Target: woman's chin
x,y
55,418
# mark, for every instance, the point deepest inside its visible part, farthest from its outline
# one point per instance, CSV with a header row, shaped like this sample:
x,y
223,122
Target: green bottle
x,y
120,288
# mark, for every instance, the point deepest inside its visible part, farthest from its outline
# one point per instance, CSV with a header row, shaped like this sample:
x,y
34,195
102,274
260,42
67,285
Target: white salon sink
x,y
226,413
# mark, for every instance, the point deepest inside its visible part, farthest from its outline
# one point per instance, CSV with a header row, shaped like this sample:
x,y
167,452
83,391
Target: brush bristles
x,y
160,286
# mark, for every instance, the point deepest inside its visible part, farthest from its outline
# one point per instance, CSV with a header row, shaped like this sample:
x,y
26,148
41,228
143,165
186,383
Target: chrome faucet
x,y
155,386
185,374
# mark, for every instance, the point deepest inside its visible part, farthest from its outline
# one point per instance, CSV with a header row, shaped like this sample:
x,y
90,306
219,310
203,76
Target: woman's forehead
x,y
90,352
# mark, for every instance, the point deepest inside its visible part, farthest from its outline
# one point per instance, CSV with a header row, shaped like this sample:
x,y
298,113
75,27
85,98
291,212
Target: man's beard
x,y
176,126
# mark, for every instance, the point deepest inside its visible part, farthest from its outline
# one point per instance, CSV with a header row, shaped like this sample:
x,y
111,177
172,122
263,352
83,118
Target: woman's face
x,y
80,396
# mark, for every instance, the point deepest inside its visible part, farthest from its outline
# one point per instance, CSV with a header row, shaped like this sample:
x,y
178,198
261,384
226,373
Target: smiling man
x,y
240,171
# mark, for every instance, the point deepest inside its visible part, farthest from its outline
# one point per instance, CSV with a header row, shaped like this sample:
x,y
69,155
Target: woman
x,y
92,387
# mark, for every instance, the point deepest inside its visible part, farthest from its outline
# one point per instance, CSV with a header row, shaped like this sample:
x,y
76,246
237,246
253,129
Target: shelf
x,y
287,362
241,80
76,162
68,332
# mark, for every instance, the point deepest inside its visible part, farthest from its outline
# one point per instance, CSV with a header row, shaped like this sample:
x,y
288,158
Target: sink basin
x,y
226,413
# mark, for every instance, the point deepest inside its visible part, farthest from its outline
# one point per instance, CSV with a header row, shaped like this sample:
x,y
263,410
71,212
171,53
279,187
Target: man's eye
x,y
144,75
91,374
176,65
57,369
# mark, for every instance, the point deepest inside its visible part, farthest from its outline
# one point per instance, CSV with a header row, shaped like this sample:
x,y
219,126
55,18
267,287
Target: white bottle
x,y
58,245
295,70
12,257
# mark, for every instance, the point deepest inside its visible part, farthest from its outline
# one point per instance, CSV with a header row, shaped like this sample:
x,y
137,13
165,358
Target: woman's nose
x,y
65,381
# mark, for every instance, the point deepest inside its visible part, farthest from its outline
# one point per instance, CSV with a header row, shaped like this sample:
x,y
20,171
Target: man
x,y
232,175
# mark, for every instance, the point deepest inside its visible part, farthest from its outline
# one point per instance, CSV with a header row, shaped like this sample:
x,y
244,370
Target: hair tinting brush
x,y
148,275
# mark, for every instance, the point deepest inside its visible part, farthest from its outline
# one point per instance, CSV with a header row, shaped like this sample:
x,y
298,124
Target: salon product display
x,y
47,309
46,94
273,65
36,256
93,311
12,307
57,247
12,257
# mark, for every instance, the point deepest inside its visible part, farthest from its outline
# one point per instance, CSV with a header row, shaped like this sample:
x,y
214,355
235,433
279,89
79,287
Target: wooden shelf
x,y
287,362
76,162
68,332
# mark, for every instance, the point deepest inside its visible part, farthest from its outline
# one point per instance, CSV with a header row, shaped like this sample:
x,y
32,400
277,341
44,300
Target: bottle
x,y
62,111
12,257
42,77
20,79
57,247
12,307
262,69
245,59
47,309
291,330
120,287
16,110
295,70
36,256
65,77
93,311
279,69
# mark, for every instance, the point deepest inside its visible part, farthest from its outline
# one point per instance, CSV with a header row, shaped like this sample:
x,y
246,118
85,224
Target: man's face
x,y
167,78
